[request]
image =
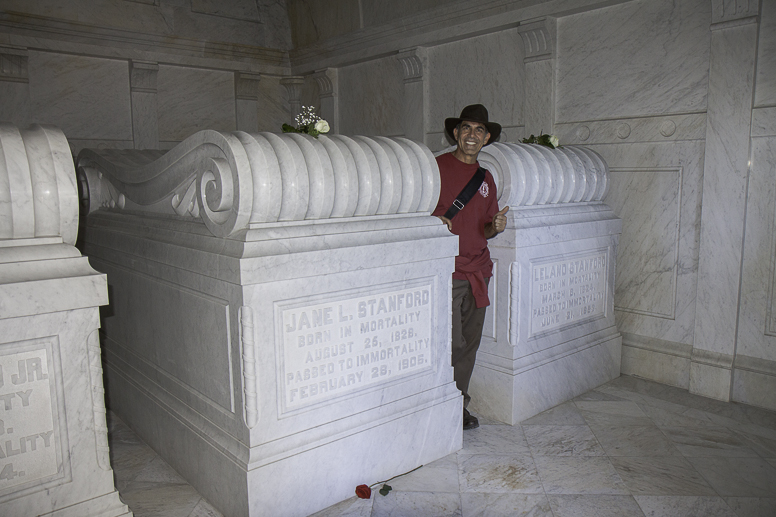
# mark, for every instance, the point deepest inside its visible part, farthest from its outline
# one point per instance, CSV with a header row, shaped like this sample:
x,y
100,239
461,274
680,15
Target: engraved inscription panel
x,y
29,430
567,291
337,347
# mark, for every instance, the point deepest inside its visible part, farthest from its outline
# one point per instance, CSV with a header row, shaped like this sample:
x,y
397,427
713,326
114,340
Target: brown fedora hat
x,y
474,113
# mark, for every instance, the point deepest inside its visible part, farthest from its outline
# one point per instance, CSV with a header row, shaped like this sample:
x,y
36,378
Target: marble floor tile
x,y
553,464
708,441
439,476
485,420
752,506
562,440
765,447
353,507
499,473
594,506
672,506
204,509
596,395
613,413
661,476
666,414
737,477
494,439
152,500
413,504
507,505
634,441
563,414
579,475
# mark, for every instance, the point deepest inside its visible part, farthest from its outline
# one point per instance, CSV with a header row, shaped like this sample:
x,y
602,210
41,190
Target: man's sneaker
x,y
470,421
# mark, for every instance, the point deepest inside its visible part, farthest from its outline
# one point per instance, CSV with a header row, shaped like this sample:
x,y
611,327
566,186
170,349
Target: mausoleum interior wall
x,y
647,85
375,94
143,74
633,80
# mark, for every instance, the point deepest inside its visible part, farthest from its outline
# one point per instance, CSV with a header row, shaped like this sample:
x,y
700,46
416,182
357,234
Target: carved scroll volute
x,y
225,186
251,408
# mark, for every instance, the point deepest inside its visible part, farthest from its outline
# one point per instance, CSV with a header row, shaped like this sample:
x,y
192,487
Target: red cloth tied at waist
x,y
474,271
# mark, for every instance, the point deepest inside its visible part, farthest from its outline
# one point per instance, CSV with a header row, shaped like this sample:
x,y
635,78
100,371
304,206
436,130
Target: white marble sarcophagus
x,y
280,311
550,333
53,435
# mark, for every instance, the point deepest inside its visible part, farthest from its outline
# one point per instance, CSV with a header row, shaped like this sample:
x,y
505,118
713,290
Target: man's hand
x,y
498,224
447,221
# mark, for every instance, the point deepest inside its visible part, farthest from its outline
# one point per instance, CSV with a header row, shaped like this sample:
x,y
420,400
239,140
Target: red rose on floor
x,y
363,491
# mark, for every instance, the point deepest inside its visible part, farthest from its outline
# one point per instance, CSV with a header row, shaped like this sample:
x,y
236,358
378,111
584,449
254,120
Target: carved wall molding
x,y
293,86
246,85
249,367
13,65
98,399
142,76
726,11
326,80
514,305
233,181
538,39
689,126
412,64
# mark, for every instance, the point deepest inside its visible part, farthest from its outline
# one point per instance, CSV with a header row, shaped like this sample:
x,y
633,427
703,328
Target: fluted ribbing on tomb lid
x,y
528,174
234,180
38,193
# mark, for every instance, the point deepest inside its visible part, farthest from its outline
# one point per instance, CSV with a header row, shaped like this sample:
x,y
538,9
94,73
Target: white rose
x,y
554,140
322,126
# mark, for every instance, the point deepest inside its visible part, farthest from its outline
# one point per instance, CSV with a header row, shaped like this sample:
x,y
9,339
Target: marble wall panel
x,y
645,57
765,92
313,21
192,99
15,105
237,9
658,237
647,200
378,12
757,316
272,104
486,70
375,92
88,98
274,16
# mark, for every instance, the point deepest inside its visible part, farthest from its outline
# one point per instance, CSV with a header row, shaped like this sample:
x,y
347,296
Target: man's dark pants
x,y
467,333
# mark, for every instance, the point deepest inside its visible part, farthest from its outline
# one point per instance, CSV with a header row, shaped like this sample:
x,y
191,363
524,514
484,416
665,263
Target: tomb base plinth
x,y
54,452
279,368
550,333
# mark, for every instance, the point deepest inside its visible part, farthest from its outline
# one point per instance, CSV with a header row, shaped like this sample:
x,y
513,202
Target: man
x,y
475,223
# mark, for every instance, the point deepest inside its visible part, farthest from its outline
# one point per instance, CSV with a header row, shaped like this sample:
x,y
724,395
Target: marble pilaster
x,y
540,52
246,98
726,169
293,86
415,106
14,85
145,113
328,96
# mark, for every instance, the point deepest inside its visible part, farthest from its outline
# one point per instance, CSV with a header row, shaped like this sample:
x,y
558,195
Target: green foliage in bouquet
x,y
550,141
308,123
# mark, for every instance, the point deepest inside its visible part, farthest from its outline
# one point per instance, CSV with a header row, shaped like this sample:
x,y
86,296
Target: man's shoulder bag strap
x,y
466,194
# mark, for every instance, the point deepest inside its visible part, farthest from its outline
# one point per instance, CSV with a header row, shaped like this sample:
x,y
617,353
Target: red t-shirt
x,y
469,223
